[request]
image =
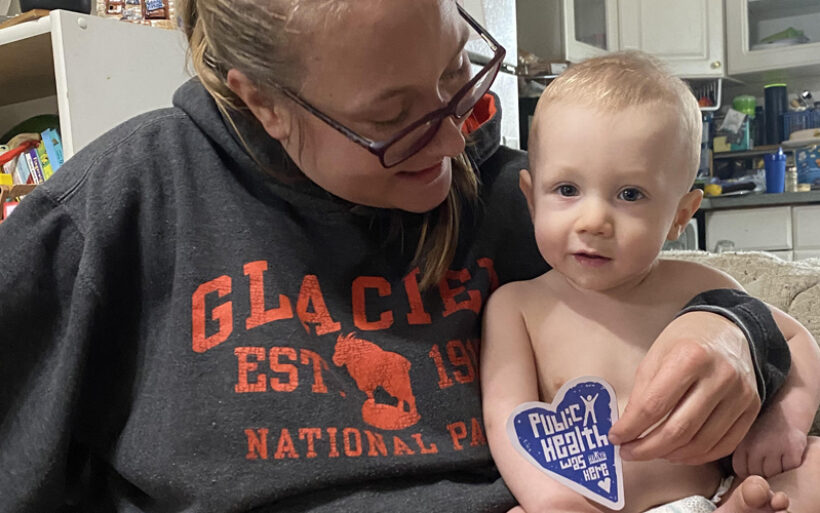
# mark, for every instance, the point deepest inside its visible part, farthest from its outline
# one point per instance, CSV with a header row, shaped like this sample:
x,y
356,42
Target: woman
x,y
242,303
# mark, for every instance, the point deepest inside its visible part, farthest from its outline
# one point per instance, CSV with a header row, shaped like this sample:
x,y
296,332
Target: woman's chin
x,y
427,198
422,205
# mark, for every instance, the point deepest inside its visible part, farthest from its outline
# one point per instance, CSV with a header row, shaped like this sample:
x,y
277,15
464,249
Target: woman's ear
x,y
687,207
274,119
525,184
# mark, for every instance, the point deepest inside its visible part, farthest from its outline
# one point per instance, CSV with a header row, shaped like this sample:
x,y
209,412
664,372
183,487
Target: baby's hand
x,y
772,446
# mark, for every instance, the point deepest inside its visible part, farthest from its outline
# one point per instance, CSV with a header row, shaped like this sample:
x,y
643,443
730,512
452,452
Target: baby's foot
x,y
754,495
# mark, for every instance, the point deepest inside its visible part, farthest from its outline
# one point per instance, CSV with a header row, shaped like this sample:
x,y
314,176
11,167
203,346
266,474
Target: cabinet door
x,y
806,227
686,35
590,28
804,254
766,229
757,38
783,255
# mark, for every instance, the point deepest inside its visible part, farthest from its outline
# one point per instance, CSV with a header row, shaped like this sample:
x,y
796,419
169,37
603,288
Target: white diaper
x,y
696,503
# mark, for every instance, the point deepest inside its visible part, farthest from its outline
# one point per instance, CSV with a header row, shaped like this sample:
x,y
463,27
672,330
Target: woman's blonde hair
x,y
623,79
260,38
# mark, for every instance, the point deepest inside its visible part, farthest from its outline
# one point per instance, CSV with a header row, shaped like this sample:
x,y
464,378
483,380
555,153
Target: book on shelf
x,y
22,172
53,147
45,162
34,164
34,161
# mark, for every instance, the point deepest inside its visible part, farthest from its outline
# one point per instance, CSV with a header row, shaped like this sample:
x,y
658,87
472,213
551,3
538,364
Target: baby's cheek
x,y
547,242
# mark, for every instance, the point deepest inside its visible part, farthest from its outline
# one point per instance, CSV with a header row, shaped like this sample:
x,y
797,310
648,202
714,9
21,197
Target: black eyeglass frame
x,y
435,118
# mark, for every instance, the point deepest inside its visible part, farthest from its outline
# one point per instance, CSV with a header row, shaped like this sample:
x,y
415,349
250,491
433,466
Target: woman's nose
x,y
594,219
448,141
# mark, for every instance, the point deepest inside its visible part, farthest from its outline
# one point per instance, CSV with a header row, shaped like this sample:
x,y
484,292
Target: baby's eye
x,y
567,190
630,194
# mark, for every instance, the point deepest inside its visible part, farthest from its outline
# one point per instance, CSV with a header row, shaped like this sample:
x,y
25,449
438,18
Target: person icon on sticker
x,y
589,408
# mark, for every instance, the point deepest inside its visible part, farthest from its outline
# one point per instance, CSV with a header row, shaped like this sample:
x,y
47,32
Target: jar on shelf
x,y
791,179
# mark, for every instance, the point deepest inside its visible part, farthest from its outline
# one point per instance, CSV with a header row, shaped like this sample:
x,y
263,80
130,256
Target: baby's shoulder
x,y
538,292
693,277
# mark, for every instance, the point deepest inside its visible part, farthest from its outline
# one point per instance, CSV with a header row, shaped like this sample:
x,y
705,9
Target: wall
x,y
10,115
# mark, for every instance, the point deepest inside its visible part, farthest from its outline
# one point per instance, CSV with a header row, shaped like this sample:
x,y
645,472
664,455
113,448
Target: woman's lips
x,y
591,260
423,175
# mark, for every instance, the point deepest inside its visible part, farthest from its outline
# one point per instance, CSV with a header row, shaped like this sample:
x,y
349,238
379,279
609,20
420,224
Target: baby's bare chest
x,y
569,343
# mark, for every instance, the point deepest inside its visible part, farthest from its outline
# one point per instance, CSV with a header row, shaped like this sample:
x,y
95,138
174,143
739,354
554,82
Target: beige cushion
x,y
794,287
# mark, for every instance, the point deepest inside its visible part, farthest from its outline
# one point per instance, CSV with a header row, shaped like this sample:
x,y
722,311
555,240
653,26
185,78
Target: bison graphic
x,y
372,367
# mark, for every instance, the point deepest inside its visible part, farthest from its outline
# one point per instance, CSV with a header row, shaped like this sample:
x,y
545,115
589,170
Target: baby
x,y
614,150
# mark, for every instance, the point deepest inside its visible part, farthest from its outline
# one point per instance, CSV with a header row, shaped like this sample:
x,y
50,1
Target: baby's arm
x,y
777,440
509,378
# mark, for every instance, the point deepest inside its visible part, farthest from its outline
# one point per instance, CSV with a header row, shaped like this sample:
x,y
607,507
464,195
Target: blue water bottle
x,y
775,171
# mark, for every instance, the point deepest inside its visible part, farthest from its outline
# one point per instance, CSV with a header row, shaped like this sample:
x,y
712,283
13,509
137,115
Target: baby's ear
x,y
687,206
525,184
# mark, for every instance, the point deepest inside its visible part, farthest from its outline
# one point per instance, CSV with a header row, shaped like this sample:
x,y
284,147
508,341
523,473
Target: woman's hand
x,y
697,383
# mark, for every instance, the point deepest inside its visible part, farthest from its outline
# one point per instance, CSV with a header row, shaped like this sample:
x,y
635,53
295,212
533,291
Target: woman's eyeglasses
x,y
418,134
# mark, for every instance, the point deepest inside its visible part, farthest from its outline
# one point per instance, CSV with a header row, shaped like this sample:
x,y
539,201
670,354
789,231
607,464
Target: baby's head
x,y
621,81
614,149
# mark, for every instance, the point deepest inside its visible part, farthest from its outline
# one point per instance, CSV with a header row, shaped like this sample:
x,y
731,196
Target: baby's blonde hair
x,y
624,79
264,39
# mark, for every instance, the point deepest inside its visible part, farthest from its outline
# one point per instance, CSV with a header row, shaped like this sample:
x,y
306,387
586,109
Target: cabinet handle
x,y
715,64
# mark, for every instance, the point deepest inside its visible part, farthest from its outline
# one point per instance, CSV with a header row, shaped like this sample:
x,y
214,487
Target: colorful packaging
x,y
157,13
808,164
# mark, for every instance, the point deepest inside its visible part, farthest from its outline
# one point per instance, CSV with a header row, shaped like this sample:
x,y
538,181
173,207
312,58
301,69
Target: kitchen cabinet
x,y
788,231
687,36
567,30
749,22
766,229
93,72
806,231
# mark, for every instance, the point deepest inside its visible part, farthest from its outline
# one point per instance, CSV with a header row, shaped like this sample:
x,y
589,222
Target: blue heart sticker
x,y
567,439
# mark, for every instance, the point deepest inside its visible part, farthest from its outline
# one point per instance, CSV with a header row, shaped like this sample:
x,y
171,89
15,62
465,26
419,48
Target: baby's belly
x,y
657,482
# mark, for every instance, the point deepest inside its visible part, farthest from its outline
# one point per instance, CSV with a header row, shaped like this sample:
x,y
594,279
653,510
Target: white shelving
x,y
100,71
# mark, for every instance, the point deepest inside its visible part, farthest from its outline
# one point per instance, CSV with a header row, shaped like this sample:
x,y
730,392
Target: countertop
x,y
756,200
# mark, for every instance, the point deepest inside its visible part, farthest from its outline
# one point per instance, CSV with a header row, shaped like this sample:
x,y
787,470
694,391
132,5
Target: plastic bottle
x,y
791,179
775,164
776,104
745,104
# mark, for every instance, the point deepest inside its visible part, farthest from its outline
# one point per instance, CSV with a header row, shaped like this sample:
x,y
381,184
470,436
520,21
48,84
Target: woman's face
x,y
377,68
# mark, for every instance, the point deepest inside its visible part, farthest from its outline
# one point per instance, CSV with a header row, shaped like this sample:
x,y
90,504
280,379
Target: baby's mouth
x,y
590,259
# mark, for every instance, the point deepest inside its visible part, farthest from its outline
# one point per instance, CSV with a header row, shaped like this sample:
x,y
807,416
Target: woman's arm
x,y
767,345
701,384
509,378
43,312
